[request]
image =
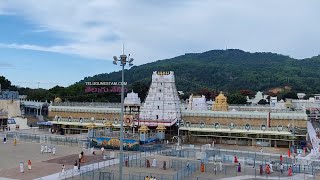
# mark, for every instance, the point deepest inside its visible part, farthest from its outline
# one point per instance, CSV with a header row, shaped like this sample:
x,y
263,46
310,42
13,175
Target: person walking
x,y
21,167
281,168
261,170
102,150
54,150
164,165
271,169
29,164
15,142
79,166
239,167
220,166
63,167
290,171
41,149
215,167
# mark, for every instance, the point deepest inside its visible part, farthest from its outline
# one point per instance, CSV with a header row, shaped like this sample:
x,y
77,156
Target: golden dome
x,y
143,128
220,103
108,124
161,127
221,97
57,100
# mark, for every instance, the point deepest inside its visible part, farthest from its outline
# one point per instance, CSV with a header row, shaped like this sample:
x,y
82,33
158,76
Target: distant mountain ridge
x,y
228,70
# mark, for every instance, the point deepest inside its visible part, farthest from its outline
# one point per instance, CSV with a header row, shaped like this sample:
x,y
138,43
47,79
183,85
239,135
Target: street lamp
x,y
123,61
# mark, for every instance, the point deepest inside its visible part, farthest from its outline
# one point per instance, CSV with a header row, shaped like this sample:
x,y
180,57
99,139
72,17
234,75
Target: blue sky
x,y
58,42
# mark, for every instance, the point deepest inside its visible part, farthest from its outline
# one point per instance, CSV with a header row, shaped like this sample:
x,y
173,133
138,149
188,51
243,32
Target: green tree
x,y
237,98
5,83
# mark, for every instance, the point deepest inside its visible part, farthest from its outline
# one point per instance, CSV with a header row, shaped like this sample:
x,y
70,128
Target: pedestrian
x,y
80,157
235,159
290,171
102,150
261,150
261,170
188,165
147,178
41,149
15,142
148,163
271,169
4,140
29,164
281,158
54,150
21,167
126,162
239,167
63,167
281,168
164,165
151,178
215,167
75,165
154,162
45,148
220,166
154,178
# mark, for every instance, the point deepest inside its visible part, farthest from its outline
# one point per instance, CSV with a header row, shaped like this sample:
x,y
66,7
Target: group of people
x,y
154,163
150,178
45,149
22,166
268,169
215,167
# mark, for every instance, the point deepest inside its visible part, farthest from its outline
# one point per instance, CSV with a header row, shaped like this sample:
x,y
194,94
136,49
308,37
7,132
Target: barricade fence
x,y
43,138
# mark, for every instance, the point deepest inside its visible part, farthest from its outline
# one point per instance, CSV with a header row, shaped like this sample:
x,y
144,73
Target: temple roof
x,y
143,128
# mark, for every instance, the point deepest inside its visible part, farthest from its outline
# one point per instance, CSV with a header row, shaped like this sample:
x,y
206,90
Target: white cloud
x,y
155,30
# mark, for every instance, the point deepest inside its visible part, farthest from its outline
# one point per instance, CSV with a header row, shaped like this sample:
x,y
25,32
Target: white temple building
x,y
162,104
132,99
259,96
197,103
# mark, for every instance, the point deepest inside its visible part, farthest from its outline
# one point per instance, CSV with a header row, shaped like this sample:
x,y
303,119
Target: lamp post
x,y
123,61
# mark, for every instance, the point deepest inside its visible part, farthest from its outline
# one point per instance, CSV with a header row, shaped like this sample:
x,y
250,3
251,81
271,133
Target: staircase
x,y
313,138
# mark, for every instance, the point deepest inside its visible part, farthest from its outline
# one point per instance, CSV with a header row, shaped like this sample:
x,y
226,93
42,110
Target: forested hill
x,y
229,70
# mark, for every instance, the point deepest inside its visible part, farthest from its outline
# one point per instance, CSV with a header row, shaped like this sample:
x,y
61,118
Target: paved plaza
x,y
47,164
42,164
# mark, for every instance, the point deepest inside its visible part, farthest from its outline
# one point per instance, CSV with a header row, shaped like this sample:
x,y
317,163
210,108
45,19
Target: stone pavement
x,y
11,156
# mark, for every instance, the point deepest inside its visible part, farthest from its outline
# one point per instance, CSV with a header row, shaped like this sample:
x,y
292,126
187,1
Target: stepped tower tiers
x,y
162,104
220,104
197,103
132,103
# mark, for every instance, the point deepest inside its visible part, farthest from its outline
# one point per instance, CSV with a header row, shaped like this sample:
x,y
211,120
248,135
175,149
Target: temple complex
x,y
245,125
162,105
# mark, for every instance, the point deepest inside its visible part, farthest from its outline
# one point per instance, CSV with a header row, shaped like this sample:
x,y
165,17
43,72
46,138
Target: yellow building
x,y
220,104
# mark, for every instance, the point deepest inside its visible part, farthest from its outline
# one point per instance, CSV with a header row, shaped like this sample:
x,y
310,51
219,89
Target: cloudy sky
x,y
59,42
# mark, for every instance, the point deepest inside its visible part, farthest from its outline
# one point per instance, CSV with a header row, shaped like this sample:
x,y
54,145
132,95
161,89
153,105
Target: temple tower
x,y
220,103
162,104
